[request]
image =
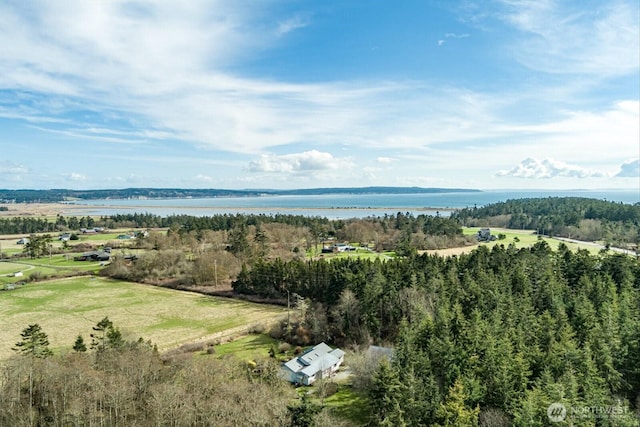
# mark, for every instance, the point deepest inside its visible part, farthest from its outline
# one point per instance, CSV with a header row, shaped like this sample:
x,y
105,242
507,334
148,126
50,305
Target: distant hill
x,y
60,195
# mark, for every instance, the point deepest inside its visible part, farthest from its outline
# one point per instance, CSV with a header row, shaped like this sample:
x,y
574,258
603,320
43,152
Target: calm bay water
x,y
336,206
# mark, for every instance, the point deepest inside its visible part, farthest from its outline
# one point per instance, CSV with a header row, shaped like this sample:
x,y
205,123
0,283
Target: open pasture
x,y
71,307
527,238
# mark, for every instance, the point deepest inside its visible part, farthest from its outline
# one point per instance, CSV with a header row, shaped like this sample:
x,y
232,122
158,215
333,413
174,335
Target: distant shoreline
x,y
71,209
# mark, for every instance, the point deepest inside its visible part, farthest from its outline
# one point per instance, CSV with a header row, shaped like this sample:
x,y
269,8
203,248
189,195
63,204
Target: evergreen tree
x,y
79,345
105,336
454,412
35,342
386,397
302,415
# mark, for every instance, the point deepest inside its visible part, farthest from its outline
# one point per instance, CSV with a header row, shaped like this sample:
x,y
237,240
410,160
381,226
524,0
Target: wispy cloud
x,y
385,160
292,24
8,167
160,74
574,38
75,177
548,168
457,36
452,36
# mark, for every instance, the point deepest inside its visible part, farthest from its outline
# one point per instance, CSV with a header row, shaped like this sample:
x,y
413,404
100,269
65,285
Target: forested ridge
x,y
573,217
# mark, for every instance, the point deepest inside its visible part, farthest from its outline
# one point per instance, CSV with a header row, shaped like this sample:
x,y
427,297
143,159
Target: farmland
x,y
70,307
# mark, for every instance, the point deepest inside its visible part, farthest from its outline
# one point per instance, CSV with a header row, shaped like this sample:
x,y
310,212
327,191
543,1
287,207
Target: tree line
x,y
573,217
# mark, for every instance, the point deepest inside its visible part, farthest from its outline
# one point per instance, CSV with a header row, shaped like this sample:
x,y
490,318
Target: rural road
x,y
597,245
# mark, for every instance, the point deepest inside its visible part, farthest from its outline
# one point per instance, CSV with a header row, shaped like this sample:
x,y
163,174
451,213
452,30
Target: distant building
x,y
316,363
93,256
484,235
378,352
338,247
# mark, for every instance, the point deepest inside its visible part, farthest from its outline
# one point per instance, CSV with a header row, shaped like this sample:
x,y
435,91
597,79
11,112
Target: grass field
x,y
9,245
250,347
69,307
526,238
56,265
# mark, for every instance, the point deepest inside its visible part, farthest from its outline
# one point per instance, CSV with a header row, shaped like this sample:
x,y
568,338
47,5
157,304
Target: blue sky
x,y
492,94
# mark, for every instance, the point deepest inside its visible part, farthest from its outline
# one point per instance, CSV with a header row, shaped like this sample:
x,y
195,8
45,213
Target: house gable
x,y
317,362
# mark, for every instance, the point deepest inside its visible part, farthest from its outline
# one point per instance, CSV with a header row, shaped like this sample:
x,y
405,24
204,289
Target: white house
x,y
316,363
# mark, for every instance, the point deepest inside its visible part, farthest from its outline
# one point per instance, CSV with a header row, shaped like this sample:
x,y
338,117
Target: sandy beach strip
x,y
43,209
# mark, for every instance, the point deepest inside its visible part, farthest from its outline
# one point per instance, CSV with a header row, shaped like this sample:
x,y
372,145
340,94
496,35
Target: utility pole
x,y
215,270
288,311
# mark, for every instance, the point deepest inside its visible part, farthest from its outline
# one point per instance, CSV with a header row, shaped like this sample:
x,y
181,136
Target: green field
x,y
527,238
69,307
250,347
57,265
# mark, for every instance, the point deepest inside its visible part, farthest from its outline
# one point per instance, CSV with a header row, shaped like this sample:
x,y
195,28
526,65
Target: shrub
x,y
192,347
284,347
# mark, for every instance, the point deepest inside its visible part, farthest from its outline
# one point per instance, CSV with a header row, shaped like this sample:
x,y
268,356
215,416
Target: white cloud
x,y
292,24
164,68
606,136
309,161
8,167
548,168
575,38
385,160
452,36
629,169
204,178
456,36
75,177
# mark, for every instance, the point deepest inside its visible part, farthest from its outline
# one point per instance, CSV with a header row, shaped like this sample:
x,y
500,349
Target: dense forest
x,y
60,195
572,217
498,333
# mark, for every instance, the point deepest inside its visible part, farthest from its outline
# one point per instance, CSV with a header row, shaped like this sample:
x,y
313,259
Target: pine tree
x,y
454,411
101,338
302,415
385,397
79,345
35,342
